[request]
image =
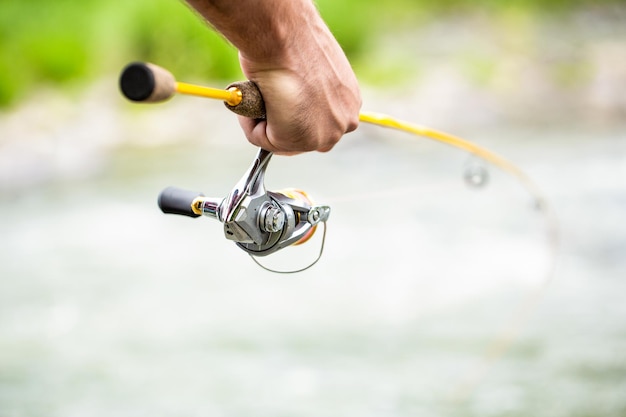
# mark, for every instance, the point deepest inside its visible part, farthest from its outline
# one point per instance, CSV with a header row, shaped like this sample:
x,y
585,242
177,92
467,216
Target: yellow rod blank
x,y
455,141
232,96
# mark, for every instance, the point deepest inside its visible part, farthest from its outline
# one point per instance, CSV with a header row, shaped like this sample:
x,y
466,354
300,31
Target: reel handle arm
x,y
149,83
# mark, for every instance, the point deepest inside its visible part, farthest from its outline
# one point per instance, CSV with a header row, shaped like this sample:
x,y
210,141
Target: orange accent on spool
x,y
308,235
298,194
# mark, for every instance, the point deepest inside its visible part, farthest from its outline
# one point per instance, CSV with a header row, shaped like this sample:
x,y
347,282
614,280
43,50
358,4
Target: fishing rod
x,y
263,222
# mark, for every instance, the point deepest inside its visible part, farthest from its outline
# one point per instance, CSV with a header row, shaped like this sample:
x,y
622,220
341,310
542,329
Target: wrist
x,y
281,34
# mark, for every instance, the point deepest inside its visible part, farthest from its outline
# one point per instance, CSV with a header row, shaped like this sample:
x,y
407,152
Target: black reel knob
x,y
173,200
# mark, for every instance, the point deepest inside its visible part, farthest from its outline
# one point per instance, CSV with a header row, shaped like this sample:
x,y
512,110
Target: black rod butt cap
x,y
137,81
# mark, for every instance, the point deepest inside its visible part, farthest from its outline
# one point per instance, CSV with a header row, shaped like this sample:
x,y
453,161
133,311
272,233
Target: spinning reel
x,y
260,222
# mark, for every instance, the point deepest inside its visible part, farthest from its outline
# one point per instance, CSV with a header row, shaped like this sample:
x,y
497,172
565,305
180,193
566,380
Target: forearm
x,y
265,30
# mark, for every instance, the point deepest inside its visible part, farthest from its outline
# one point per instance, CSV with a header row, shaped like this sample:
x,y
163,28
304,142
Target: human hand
x,y
311,95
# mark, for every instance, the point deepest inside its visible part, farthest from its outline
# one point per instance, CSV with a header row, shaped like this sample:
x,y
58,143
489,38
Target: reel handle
x,y
149,83
173,200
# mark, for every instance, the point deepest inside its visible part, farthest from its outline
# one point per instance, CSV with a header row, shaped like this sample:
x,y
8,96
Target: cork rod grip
x,y
252,104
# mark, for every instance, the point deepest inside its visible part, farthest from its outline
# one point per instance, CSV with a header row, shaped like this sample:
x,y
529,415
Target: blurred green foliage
x,y
65,41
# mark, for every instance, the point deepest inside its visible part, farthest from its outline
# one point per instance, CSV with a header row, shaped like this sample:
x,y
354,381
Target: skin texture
x,y
311,94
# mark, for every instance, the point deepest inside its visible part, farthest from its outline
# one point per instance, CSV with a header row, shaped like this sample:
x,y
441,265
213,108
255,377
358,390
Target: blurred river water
x,y
108,307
